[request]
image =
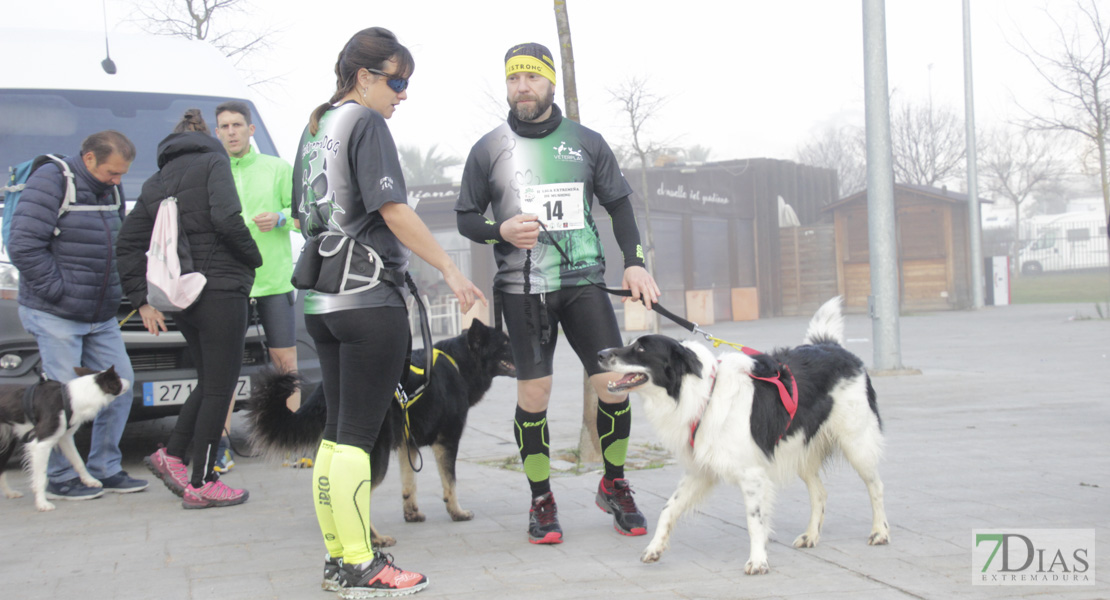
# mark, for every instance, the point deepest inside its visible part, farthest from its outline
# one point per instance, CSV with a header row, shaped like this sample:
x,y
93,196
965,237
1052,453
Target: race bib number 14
x,y
560,206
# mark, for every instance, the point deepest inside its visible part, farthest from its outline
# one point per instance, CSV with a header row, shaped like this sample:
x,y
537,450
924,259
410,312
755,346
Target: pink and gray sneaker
x,y
212,494
169,469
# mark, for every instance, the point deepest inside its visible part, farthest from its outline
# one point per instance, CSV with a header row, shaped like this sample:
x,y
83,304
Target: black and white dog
x,y
729,425
46,415
463,370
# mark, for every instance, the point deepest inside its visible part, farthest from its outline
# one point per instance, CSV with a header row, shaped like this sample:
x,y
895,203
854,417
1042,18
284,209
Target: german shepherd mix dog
x,y
47,414
728,421
463,371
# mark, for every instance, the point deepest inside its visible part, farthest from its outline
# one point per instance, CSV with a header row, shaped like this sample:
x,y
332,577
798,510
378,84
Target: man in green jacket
x,y
265,186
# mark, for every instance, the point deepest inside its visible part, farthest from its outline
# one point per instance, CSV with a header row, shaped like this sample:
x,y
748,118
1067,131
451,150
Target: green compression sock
x,y
530,431
322,498
614,425
350,497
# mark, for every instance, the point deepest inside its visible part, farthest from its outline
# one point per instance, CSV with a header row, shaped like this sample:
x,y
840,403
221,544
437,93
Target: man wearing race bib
x,y
541,172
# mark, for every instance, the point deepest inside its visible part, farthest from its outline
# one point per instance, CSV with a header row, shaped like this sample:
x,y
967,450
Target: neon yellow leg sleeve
x,y
322,498
350,502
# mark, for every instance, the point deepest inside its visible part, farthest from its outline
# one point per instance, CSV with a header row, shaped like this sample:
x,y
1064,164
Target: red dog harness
x,y
789,400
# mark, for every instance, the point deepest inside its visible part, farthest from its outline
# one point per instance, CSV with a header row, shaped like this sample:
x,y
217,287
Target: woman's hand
x,y
153,319
464,289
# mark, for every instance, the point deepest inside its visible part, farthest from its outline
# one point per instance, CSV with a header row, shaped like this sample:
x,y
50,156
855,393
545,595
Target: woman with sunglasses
x,y
348,181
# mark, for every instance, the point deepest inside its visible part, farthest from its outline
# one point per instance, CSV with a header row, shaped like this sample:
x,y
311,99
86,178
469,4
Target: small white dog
x,y
47,414
729,421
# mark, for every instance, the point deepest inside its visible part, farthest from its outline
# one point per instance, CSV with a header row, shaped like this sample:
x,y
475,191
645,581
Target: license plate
x,y
165,393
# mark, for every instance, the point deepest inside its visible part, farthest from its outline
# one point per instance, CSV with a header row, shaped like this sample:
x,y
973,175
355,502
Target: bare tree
x,y
640,104
842,149
1078,78
1017,164
929,144
426,168
203,20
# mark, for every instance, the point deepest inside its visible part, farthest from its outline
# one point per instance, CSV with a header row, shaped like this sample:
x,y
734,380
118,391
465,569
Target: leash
x,y
789,400
407,401
429,362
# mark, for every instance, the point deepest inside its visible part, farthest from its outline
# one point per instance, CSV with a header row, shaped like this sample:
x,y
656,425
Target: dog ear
x,y
686,361
478,335
82,371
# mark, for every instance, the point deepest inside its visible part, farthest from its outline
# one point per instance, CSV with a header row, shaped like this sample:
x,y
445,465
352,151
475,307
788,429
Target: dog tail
x,y
827,324
274,429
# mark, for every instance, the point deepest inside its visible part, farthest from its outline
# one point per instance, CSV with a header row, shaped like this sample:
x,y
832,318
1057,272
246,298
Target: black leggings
x,y
215,328
362,357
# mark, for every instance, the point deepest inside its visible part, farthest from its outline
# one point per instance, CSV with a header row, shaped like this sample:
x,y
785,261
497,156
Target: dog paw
x,y
756,567
13,494
879,538
651,555
463,515
806,541
92,482
413,516
44,506
384,541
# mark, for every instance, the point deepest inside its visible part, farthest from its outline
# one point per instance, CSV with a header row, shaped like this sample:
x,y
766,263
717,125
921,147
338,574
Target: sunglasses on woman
x,y
397,84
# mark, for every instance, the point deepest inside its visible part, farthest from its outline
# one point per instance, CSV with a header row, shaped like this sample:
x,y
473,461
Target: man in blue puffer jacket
x,y
69,293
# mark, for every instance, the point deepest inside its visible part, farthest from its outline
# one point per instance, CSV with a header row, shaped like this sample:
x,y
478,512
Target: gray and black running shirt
x,y
342,176
556,178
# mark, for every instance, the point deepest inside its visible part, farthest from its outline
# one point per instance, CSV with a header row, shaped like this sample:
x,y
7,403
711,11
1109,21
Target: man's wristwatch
x,y
281,220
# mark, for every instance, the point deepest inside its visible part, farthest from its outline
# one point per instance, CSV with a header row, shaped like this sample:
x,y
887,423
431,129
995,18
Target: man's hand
x,y
522,231
153,319
266,221
642,285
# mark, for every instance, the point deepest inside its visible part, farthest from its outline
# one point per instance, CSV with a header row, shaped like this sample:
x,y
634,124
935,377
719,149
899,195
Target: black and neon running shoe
x,y
378,578
331,574
615,497
543,521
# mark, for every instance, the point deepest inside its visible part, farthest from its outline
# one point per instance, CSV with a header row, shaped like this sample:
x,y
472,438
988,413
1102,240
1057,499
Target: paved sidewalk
x,y
1005,427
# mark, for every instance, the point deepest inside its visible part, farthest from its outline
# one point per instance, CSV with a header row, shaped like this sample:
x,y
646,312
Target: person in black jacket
x,y
69,292
194,168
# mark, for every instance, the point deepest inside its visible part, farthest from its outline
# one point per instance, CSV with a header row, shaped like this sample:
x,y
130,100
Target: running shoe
x,y
331,582
615,497
169,469
378,579
212,494
224,458
543,521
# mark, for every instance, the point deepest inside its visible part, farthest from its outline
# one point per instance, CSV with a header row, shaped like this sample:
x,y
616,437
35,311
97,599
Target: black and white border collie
x,y
728,426
48,415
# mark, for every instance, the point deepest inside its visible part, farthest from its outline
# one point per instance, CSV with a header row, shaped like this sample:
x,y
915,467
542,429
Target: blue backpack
x,y
17,180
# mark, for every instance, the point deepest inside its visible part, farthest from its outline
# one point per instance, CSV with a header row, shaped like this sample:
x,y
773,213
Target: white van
x,y
1064,242
55,93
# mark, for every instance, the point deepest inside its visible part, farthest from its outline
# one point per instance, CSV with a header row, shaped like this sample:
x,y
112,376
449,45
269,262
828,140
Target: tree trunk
x,y
589,447
566,51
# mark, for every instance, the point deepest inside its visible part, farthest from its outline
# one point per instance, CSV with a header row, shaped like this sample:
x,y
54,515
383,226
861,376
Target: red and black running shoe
x,y
378,579
543,521
615,498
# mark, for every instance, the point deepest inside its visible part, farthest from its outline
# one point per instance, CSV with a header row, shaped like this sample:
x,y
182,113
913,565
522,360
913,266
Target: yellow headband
x,y
529,64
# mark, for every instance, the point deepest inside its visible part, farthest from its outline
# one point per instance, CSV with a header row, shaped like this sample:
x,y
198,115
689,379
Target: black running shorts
x,y
275,314
585,314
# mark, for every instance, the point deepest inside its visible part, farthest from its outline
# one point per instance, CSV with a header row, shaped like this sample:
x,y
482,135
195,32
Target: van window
x,y
1047,240
34,122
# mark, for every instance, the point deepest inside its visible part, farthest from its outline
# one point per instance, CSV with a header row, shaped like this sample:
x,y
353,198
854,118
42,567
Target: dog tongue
x,y
627,379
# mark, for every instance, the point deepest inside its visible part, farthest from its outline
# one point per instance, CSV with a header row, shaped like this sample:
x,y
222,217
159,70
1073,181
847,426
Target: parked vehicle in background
x,y
56,96
1064,242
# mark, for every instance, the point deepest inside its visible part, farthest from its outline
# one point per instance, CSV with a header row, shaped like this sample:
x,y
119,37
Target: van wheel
x,y
1031,268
